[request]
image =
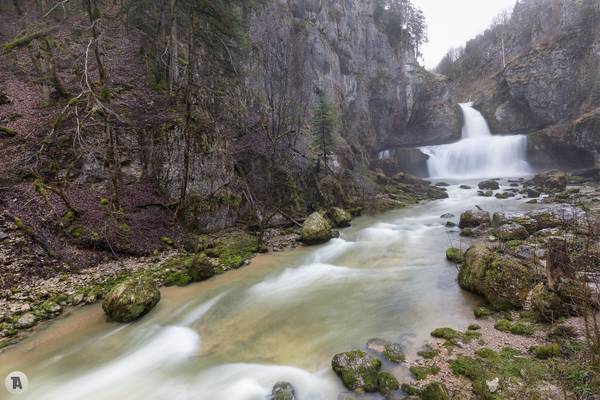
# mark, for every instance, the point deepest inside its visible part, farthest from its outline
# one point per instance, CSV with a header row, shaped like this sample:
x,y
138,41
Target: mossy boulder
x,y
454,255
199,267
339,217
556,216
510,232
547,304
499,219
316,229
473,218
283,391
435,391
502,280
387,383
489,185
131,299
358,370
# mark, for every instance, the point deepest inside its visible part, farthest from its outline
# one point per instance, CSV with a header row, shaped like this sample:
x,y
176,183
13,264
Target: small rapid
x,y
478,154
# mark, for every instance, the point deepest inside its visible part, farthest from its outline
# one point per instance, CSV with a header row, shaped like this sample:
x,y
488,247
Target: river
x,y
282,318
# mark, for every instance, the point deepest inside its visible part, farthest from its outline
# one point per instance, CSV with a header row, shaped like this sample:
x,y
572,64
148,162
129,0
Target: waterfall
x,y
479,153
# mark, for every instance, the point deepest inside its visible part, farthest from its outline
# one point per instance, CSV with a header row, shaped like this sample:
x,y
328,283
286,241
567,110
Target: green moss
x,y
393,353
454,255
179,278
167,241
421,373
435,391
104,202
474,327
123,227
546,351
446,333
75,231
387,383
482,312
410,389
234,249
516,328
428,354
8,131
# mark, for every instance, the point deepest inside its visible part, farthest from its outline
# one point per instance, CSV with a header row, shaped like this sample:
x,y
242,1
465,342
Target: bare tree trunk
x,y
17,7
173,53
94,16
112,164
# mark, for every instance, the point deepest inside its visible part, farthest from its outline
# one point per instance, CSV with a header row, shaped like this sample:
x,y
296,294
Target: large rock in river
x,y
340,217
358,370
131,299
316,229
552,182
501,279
473,218
509,232
489,185
283,391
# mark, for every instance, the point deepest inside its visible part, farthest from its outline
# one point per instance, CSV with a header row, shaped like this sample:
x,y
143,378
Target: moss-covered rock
x,y
547,304
500,218
131,299
516,328
435,391
340,217
502,280
454,255
482,312
546,351
421,373
358,370
387,383
394,352
316,229
551,182
473,218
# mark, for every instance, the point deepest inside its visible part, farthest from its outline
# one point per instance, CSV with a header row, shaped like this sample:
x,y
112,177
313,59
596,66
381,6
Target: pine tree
x,y
324,126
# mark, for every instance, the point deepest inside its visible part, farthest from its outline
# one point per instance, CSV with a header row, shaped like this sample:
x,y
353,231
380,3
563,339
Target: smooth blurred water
x,y
478,154
281,318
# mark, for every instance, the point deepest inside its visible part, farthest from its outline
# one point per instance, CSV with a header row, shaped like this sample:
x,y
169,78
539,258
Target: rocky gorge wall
x,y
550,85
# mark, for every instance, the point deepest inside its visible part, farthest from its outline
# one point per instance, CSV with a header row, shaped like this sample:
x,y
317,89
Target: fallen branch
x,y
29,232
23,40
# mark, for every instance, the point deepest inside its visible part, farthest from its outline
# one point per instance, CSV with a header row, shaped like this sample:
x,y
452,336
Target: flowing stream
x,y
281,318
478,154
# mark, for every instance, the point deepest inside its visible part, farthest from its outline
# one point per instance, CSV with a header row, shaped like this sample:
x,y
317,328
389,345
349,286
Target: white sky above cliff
x,y
451,23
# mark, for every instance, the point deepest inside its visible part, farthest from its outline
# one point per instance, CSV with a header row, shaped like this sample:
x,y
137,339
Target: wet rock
x,y
532,193
547,304
131,299
501,279
435,391
447,216
316,229
283,391
392,352
465,187
511,232
499,219
474,218
489,185
340,217
503,195
551,182
450,224
556,215
199,267
442,184
387,383
487,193
358,370
454,255
26,321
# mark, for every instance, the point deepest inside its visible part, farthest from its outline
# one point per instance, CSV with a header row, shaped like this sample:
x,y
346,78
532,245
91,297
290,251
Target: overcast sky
x,y
451,23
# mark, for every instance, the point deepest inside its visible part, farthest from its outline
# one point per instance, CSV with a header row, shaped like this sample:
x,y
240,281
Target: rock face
x,y
502,280
131,299
411,160
358,370
473,218
316,229
549,84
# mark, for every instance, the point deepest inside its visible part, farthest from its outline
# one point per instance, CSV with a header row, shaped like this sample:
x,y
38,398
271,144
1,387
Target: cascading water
x,y
478,153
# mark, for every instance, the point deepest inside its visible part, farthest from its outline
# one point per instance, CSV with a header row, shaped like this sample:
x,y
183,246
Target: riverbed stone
x,y
551,182
489,185
131,299
358,370
340,217
501,279
454,255
500,218
387,383
473,218
316,229
283,391
25,321
509,232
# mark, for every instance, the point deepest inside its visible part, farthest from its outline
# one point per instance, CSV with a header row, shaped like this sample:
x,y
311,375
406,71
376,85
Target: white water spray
x,y
479,153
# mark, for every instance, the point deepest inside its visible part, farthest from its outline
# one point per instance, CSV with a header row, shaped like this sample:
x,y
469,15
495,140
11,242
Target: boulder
x,y
340,217
447,216
316,229
199,267
551,182
489,185
509,232
454,255
393,352
131,299
501,279
499,219
465,187
532,193
473,218
547,304
556,216
387,383
358,370
283,391
26,321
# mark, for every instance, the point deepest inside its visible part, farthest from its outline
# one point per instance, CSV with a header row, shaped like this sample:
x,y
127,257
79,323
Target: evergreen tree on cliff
x,y
323,127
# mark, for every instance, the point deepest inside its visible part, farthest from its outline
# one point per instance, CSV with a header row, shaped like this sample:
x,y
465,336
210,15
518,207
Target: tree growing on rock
x,y
324,127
